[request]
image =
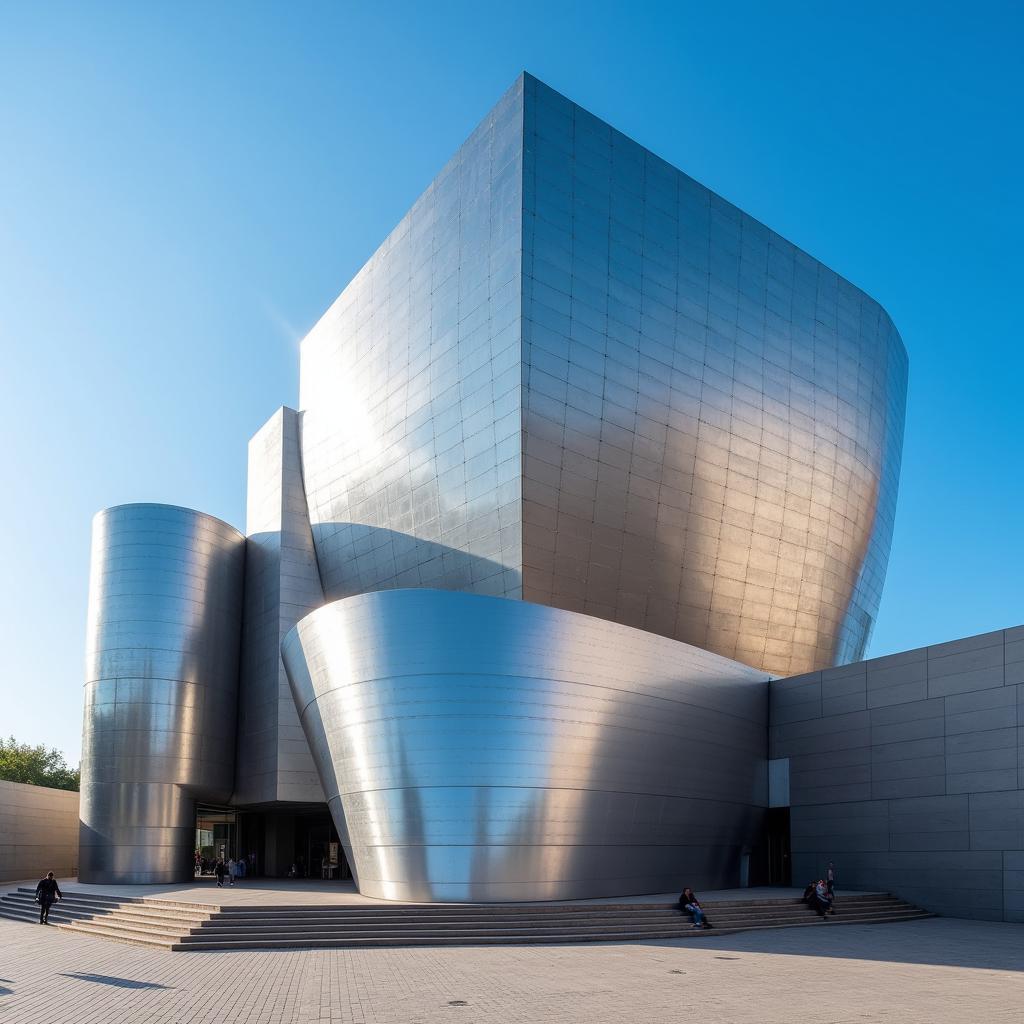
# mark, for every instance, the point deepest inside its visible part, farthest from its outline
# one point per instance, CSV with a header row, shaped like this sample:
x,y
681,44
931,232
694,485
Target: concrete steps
x,y
184,926
145,922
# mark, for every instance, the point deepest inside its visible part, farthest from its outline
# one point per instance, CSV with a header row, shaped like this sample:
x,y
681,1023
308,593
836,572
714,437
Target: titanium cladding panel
x,y
481,749
576,376
162,644
282,585
712,419
410,389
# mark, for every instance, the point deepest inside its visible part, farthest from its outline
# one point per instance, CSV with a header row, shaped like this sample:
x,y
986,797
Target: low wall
x,y
908,772
38,831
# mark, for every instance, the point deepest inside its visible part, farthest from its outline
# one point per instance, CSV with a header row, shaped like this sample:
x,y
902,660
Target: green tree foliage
x,y
21,762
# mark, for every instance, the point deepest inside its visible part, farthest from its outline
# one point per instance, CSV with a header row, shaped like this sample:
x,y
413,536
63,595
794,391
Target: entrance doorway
x,y
291,841
216,838
318,847
780,870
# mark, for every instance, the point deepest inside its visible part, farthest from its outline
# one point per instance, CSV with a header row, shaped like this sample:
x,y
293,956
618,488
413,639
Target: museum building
x,y
557,582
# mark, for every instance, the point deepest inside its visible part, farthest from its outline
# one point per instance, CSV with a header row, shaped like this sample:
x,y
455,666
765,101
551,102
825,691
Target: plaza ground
x,y
936,970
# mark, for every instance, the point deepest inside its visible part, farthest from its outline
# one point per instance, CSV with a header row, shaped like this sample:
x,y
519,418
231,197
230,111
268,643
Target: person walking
x,y
830,880
46,892
220,871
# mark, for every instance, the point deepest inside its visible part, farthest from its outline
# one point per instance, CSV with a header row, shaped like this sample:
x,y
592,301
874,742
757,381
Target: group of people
x,y
233,871
689,904
820,895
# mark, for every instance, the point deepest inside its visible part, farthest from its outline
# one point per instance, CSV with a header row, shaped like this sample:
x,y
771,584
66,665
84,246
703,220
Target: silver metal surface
x,y
571,377
574,375
282,585
713,420
410,389
165,609
481,749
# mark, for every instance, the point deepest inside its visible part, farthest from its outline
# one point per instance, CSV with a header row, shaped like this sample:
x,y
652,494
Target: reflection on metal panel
x,y
281,586
576,376
712,420
165,603
410,389
475,748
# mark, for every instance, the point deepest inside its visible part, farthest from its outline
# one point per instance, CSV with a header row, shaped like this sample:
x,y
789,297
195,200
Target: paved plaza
x,y
928,971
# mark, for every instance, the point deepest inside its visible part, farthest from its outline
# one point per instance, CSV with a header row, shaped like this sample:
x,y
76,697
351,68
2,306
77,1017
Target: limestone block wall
x,y
38,831
908,772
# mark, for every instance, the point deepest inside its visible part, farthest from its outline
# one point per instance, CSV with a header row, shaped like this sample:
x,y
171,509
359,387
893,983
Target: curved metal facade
x,y
410,389
576,376
162,648
712,419
480,749
613,432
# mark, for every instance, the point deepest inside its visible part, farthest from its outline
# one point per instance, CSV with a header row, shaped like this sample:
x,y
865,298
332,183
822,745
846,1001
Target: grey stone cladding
x,y
908,772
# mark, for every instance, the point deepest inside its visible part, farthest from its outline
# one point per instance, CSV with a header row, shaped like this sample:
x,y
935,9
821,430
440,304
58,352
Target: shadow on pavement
x,y
938,941
106,979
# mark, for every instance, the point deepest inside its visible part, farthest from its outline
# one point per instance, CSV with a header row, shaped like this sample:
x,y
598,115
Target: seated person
x,y
822,900
688,902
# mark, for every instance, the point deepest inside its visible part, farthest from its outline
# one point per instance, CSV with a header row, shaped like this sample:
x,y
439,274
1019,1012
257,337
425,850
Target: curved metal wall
x,y
576,376
712,418
161,679
482,749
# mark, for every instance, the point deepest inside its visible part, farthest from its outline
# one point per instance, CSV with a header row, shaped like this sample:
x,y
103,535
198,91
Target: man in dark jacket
x,y
46,892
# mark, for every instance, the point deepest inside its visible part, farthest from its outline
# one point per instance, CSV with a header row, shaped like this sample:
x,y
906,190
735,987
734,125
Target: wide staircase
x,y
148,922
194,926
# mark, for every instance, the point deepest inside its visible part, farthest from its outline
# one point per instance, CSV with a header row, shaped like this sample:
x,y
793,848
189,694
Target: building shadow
x,y
933,942
377,558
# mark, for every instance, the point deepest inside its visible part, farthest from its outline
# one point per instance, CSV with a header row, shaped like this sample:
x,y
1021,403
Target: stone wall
x,y
908,772
38,832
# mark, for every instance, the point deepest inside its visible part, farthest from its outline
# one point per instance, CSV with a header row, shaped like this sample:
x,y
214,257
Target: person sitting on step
x,y
689,903
822,901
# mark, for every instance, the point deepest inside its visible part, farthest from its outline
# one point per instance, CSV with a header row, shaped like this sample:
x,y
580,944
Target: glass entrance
x,y
216,838
318,850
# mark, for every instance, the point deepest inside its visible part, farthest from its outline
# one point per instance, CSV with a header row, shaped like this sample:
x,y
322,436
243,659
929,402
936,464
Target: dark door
x,y
314,836
779,864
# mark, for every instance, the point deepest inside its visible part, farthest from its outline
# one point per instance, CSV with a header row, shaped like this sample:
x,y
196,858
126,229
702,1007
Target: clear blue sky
x,y
185,187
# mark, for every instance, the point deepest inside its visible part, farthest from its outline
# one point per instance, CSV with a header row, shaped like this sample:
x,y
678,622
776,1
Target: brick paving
x,y
927,971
